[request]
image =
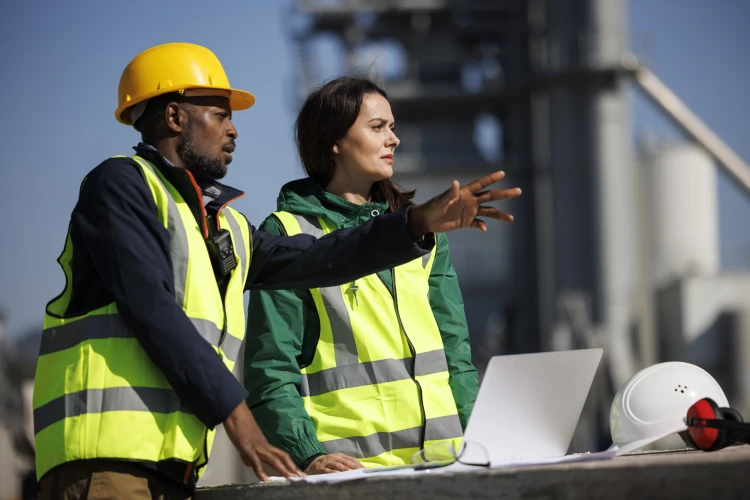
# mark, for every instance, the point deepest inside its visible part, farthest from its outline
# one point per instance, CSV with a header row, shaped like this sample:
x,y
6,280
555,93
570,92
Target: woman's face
x,y
366,151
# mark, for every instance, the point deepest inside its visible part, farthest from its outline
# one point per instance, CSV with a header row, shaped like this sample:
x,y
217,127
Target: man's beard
x,y
199,164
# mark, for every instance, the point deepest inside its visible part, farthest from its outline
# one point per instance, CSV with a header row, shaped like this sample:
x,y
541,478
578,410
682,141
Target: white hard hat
x,y
653,403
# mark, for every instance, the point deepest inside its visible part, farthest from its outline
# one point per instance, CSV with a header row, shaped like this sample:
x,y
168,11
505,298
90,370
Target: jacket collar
x,y
306,197
216,194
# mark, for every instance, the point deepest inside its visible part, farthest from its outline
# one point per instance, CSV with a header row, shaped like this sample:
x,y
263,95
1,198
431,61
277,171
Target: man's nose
x,y
232,132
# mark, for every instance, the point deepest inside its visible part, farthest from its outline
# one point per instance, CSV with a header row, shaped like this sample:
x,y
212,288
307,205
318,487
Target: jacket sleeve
x,y
303,261
448,309
116,219
277,323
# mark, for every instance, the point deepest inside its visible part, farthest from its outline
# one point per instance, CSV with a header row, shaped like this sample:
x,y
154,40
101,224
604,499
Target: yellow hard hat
x,y
174,67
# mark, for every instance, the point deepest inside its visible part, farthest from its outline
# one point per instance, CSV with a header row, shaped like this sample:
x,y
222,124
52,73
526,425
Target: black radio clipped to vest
x,y
221,250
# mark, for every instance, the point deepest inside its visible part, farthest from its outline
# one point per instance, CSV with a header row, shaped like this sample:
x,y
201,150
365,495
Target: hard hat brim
x,y
622,448
238,99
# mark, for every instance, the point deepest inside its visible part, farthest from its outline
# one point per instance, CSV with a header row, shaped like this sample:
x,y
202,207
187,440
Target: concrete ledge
x,y
681,474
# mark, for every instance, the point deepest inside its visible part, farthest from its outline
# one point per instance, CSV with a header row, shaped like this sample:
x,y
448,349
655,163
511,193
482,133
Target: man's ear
x,y
175,117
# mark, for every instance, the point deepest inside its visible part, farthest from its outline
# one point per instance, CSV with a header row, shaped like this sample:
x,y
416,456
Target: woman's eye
x,y
377,127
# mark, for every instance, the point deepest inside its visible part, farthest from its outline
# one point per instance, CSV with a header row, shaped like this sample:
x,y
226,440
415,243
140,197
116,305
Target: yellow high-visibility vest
x,y
377,387
97,395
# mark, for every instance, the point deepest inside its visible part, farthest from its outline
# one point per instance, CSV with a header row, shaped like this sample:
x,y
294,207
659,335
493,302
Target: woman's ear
x,y
336,149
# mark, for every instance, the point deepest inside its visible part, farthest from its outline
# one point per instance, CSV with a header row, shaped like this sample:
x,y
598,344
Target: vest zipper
x,y
413,352
353,288
198,467
224,327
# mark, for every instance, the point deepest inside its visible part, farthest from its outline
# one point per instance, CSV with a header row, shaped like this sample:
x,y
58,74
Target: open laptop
x,y
526,411
528,406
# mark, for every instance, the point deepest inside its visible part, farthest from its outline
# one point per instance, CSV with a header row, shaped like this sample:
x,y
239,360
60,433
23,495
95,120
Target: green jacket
x,y
283,329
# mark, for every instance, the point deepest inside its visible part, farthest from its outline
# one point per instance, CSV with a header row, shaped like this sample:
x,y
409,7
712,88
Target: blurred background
x,y
625,122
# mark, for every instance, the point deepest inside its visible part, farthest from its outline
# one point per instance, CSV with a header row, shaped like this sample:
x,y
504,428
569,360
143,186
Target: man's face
x,y
207,144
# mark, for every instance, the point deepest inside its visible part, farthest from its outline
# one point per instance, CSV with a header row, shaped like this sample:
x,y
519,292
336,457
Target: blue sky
x,y
61,62
699,49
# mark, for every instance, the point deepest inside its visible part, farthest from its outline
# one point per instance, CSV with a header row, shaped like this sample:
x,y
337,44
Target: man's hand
x,y
253,446
459,207
336,462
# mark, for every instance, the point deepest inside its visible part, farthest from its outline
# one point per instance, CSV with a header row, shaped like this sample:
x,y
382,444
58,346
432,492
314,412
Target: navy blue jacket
x,y
121,254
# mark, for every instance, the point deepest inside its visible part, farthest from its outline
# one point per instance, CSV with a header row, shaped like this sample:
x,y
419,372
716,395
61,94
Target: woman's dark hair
x,y
327,115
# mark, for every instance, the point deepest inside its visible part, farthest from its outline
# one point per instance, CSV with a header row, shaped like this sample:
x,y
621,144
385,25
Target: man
x,y
135,363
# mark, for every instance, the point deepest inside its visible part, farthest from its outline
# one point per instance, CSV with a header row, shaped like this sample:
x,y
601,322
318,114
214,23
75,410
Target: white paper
x,y
577,457
353,475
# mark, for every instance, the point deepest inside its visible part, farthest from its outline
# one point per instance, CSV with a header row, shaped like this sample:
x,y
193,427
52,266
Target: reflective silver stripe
x,y
178,247
375,444
426,260
309,225
345,348
109,326
212,334
239,241
208,330
101,400
231,347
443,428
371,372
431,362
105,326
382,442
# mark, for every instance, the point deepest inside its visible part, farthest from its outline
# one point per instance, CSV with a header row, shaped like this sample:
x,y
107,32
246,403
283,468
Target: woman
x,y
370,372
